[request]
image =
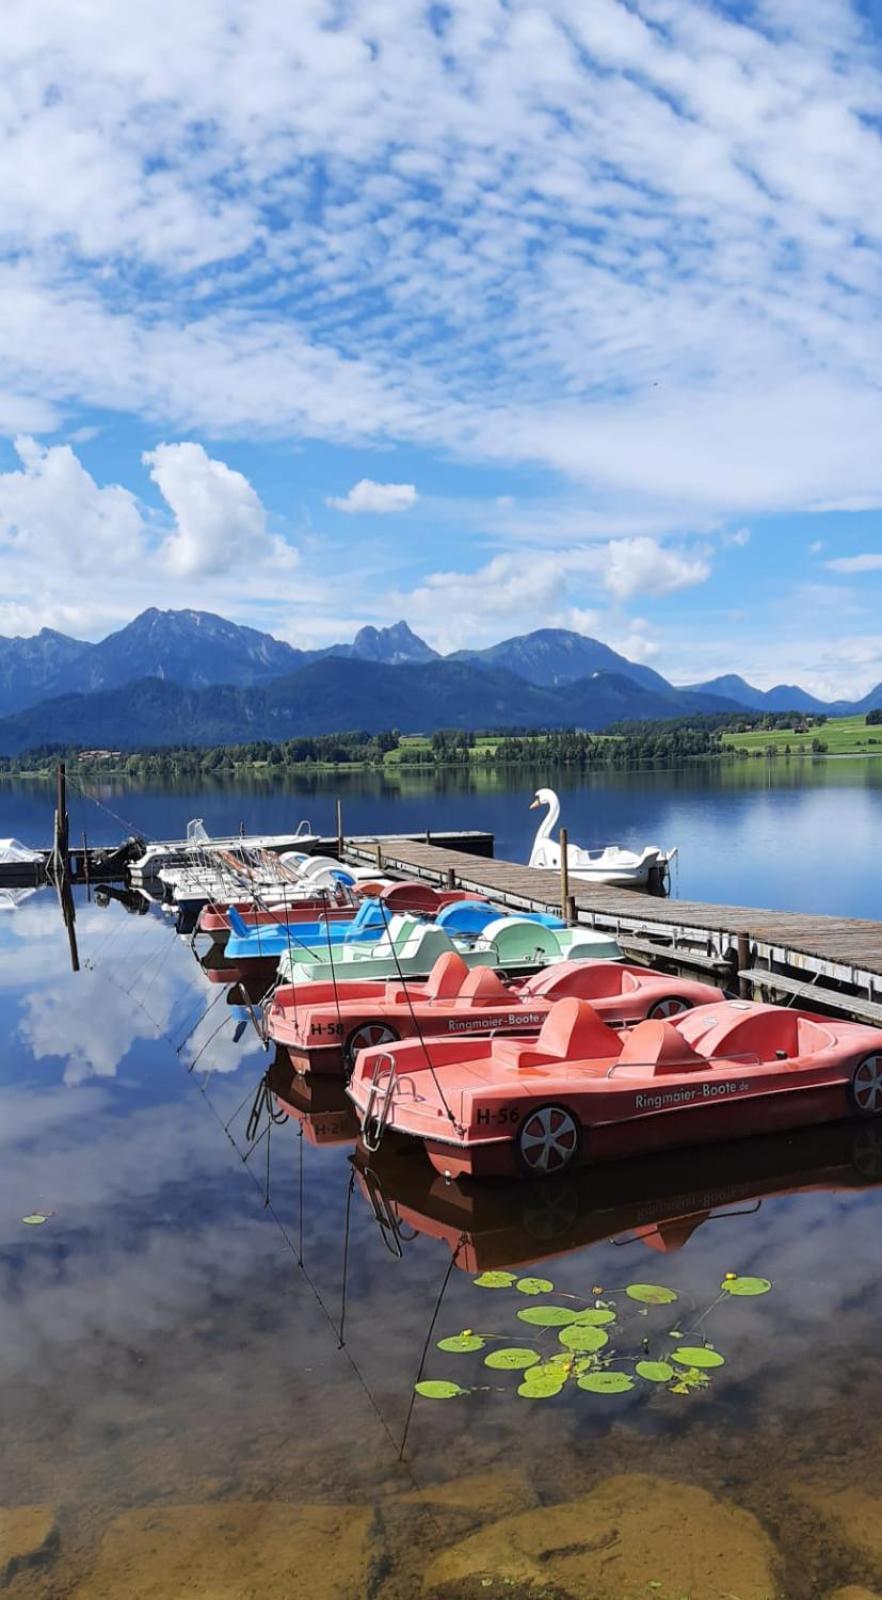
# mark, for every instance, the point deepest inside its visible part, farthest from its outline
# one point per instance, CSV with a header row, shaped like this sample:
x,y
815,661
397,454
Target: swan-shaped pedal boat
x,y
323,1026
582,1093
611,865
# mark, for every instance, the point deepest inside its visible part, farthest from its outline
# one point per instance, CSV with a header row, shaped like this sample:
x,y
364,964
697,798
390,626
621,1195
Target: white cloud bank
x,y
861,563
640,244
219,518
77,554
378,497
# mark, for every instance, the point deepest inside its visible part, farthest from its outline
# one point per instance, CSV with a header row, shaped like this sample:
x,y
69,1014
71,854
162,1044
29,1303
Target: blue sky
x,y
487,314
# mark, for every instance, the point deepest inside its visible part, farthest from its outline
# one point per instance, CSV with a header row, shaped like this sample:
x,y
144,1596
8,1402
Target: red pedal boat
x,y
410,895
323,1029
581,1093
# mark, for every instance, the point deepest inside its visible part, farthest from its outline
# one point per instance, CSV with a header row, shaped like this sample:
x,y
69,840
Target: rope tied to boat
x,y
419,1033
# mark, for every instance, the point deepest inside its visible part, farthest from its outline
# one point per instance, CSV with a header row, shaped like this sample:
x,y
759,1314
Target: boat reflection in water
x,y
659,1202
320,1105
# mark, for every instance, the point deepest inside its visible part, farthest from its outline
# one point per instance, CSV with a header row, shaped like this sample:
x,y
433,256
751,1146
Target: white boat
x,y
611,865
12,855
196,848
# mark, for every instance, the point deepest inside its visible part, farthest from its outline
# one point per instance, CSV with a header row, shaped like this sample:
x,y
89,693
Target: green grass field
x,y
842,736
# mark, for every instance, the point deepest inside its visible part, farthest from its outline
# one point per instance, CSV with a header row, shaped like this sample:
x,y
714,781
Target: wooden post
x,y
61,826
339,830
571,910
564,872
451,878
745,987
61,864
379,856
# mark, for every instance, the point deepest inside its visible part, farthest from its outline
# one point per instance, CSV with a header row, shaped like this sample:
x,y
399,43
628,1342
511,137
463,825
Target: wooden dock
x,y
93,864
830,962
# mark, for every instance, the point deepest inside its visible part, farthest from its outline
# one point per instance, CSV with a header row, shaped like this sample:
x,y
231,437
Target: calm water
x,y
212,1396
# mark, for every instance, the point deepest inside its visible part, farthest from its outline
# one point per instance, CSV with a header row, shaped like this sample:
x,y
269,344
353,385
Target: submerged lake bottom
x,y
210,1343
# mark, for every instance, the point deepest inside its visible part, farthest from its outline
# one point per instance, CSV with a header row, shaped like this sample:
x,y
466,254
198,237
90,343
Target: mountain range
x,y
173,677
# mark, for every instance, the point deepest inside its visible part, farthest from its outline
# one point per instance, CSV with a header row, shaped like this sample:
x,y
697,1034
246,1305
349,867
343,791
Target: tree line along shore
x,y
624,745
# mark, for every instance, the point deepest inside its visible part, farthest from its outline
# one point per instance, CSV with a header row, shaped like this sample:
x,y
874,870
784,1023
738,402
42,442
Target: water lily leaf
x,y
541,1386
606,1382
461,1342
595,1317
34,1218
495,1280
548,1316
438,1389
655,1371
534,1285
583,1339
512,1359
651,1294
559,1363
698,1355
746,1286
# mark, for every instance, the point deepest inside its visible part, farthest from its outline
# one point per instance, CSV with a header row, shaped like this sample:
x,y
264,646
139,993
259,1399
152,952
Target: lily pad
x,y
438,1389
548,1316
595,1317
541,1385
746,1286
534,1286
512,1359
583,1339
655,1371
651,1294
495,1280
606,1382
459,1343
34,1218
699,1355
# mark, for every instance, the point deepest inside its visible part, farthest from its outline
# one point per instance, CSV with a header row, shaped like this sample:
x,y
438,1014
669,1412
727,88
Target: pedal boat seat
x,y
484,987
572,1032
753,1031
654,1048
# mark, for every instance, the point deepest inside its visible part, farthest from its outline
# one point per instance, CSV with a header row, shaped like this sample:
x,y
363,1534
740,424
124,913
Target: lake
x,y
209,1346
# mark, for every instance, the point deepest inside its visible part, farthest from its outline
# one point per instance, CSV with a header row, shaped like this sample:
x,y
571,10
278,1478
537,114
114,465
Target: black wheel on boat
x,y
364,1037
671,1007
866,1087
547,1141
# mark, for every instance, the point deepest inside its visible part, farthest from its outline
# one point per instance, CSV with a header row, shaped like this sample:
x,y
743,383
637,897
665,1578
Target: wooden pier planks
x,y
843,941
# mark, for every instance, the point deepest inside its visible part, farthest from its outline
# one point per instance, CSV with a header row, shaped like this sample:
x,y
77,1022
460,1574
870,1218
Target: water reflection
x,y
208,1326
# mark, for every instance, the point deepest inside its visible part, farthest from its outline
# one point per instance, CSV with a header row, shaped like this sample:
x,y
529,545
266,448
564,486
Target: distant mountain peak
x,y
396,645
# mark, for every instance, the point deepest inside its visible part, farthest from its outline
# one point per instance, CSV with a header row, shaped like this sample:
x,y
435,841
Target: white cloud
x,y
219,517
51,510
738,537
639,643
84,556
537,588
863,563
643,566
673,227
377,497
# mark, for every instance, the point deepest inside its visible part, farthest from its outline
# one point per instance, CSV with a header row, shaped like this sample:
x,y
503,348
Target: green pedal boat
x,y
409,949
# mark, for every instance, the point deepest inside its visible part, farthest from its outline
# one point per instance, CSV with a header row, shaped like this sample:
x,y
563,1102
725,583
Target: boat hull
x,y
582,1095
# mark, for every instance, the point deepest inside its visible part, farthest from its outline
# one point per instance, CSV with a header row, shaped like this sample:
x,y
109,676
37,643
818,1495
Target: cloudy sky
x,y
488,314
